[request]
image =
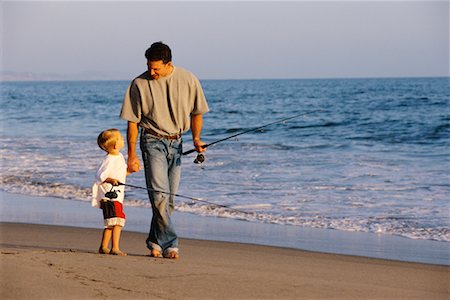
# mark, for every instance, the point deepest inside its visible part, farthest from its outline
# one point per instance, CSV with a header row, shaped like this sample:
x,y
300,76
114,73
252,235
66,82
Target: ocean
x,y
366,155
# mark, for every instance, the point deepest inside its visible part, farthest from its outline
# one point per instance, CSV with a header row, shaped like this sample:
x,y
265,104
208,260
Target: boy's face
x,y
120,141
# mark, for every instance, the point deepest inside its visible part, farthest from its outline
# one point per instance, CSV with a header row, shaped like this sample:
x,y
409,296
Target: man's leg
x,y
174,171
156,157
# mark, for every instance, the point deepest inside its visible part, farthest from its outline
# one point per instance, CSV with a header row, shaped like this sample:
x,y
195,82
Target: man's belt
x,y
160,136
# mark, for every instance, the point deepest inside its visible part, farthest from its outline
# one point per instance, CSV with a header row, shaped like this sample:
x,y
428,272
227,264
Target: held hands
x,y
134,164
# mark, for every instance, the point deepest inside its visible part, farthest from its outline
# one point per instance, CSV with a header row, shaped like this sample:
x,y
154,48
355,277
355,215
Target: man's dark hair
x,y
159,51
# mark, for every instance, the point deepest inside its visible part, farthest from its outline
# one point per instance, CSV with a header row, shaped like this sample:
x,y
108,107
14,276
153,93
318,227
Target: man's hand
x,y
198,144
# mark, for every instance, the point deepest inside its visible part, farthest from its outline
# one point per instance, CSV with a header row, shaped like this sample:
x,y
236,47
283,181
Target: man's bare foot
x,y
103,250
118,252
155,253
172,255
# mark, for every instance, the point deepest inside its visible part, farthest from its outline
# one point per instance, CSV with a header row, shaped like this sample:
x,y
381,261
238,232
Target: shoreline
x,y
54,262
17,208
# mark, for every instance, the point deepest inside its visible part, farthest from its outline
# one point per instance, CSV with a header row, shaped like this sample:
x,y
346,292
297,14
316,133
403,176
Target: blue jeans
x,y
162,164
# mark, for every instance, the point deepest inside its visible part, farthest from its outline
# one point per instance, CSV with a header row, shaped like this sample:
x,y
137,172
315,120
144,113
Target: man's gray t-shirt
x,y
165,105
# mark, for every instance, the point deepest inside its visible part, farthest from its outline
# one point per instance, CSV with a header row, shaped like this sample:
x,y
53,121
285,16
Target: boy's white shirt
x,y
112,166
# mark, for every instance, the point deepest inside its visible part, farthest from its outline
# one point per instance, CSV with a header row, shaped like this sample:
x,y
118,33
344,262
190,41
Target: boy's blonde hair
x,y
108,138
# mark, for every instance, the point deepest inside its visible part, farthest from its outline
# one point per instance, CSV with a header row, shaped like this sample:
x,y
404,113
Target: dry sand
x,y
54,262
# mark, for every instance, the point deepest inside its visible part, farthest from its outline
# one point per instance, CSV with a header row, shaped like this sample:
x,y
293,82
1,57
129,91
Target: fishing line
x,y
201,158
186,197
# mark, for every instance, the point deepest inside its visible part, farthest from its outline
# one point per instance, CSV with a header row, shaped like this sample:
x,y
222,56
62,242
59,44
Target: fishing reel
x,y
112,194
199,159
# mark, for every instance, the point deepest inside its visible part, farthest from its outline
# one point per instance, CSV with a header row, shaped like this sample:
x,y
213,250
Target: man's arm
x,y
132,134
196,129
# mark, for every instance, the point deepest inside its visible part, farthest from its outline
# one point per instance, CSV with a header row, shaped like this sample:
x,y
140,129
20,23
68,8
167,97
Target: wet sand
x,y
56,262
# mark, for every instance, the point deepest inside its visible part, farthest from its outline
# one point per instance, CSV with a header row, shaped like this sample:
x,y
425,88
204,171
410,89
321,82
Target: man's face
x,y
159,69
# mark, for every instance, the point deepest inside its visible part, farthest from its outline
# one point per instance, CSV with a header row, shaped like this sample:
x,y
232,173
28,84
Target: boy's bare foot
x,y
118,252
103,250
172,255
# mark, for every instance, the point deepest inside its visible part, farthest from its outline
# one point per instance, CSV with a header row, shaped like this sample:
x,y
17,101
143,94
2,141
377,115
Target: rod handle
x,y
193,150
189,152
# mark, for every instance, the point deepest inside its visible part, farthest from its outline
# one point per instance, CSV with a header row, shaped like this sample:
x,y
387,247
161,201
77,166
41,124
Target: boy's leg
x,y
104,247
116,231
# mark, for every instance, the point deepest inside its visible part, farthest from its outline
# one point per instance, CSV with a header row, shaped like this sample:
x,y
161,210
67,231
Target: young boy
x,y
107,194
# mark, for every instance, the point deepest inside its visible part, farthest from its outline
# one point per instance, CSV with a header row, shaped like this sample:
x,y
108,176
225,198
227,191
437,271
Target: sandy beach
x,y
54,262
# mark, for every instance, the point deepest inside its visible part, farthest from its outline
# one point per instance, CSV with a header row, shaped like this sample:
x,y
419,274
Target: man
x,y
165,102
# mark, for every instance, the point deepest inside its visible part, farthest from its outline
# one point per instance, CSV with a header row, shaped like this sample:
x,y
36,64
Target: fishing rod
x,y
200,158
186,197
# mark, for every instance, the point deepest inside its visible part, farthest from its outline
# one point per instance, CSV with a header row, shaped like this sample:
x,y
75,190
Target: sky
x,y
227,40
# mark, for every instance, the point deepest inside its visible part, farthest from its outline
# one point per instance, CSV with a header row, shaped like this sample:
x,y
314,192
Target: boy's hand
x,y
112,181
